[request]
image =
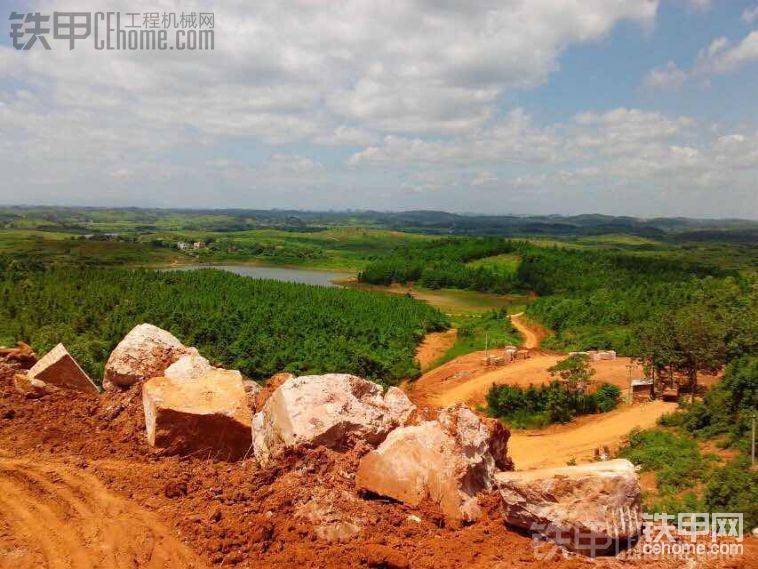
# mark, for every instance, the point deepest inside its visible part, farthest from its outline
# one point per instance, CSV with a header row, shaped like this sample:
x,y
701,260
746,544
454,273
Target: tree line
x,y
257,326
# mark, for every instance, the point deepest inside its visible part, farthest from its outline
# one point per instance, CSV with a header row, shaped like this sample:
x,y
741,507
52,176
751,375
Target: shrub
x,y
675,459
734,488
555,402
607,397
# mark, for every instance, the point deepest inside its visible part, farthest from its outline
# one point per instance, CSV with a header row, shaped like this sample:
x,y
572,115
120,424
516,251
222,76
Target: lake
x,y
306,276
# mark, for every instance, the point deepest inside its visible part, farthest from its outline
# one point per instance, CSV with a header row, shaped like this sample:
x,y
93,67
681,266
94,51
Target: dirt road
x,y
467,379
559,444
434,346
55,516
532,334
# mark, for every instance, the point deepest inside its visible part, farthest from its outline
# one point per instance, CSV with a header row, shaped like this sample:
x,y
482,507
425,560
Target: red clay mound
x,y
303,511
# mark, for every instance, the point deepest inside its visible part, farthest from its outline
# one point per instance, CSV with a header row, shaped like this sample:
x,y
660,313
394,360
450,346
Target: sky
x,y
622,107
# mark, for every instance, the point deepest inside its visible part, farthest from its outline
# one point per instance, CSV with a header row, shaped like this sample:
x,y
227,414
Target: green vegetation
x,y
480,331
506,264
676,459
687,480
446,263
259,327
555,402
727,409
601,300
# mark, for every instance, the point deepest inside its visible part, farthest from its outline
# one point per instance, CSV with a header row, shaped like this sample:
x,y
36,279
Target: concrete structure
x,y
641,390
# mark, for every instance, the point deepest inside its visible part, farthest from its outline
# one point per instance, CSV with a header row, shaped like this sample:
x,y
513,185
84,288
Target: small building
x,y
642,389
182,245
198,245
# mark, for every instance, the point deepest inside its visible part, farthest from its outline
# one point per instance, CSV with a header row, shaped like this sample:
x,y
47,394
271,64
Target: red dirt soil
x,y
434,346
79,487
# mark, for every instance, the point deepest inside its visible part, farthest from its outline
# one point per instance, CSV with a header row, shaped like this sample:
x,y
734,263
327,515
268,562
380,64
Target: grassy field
x,y
506,263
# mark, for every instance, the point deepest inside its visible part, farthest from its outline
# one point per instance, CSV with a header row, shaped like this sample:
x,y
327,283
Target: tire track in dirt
x,y
58,517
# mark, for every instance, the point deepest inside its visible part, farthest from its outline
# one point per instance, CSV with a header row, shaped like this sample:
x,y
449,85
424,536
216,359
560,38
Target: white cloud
x,y
719,58
350,104
750,15
665,77
722,56
628,153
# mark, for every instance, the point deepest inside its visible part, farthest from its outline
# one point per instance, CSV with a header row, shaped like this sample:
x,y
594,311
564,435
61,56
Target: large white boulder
x,y
193,366
333,410
585,508
190,366
208,413
145,352
448,462
59,369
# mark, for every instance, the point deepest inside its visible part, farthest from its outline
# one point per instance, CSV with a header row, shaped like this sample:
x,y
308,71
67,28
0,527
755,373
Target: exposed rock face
x,y
206,413
145,352
575,505
59,369
332,410
272,384
448,462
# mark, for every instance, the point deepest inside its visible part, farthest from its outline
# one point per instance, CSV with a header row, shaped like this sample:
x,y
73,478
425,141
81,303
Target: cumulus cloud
x,y
665,77
621,151
720,57
347,104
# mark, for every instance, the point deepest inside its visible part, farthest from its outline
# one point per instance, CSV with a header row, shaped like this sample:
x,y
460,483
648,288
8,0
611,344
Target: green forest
x,y
589,298
442,264
257,326
689,479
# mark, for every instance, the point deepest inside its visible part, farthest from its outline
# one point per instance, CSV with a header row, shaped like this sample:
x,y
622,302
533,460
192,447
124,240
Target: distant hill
x,y
89,219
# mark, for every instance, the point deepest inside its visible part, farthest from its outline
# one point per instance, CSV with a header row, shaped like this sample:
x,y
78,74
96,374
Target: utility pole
x,y
629,367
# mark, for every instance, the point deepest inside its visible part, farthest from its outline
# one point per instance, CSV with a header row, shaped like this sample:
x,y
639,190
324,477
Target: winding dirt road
x,y
559,444
467,379
56,516
532,334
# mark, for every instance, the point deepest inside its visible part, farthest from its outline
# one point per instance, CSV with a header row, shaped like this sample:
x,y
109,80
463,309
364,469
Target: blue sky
x,y
627,107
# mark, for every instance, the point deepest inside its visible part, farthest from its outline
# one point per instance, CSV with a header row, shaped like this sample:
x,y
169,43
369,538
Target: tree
x,y
700,341
692,340
575,371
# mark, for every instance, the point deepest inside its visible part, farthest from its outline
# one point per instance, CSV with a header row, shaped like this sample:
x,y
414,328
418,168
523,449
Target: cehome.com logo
x,y
114,31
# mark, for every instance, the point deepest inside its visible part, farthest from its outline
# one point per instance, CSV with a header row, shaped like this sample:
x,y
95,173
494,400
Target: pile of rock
x,y
145,352
190,406
22,354
446,462
57,370
596,355
333,410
